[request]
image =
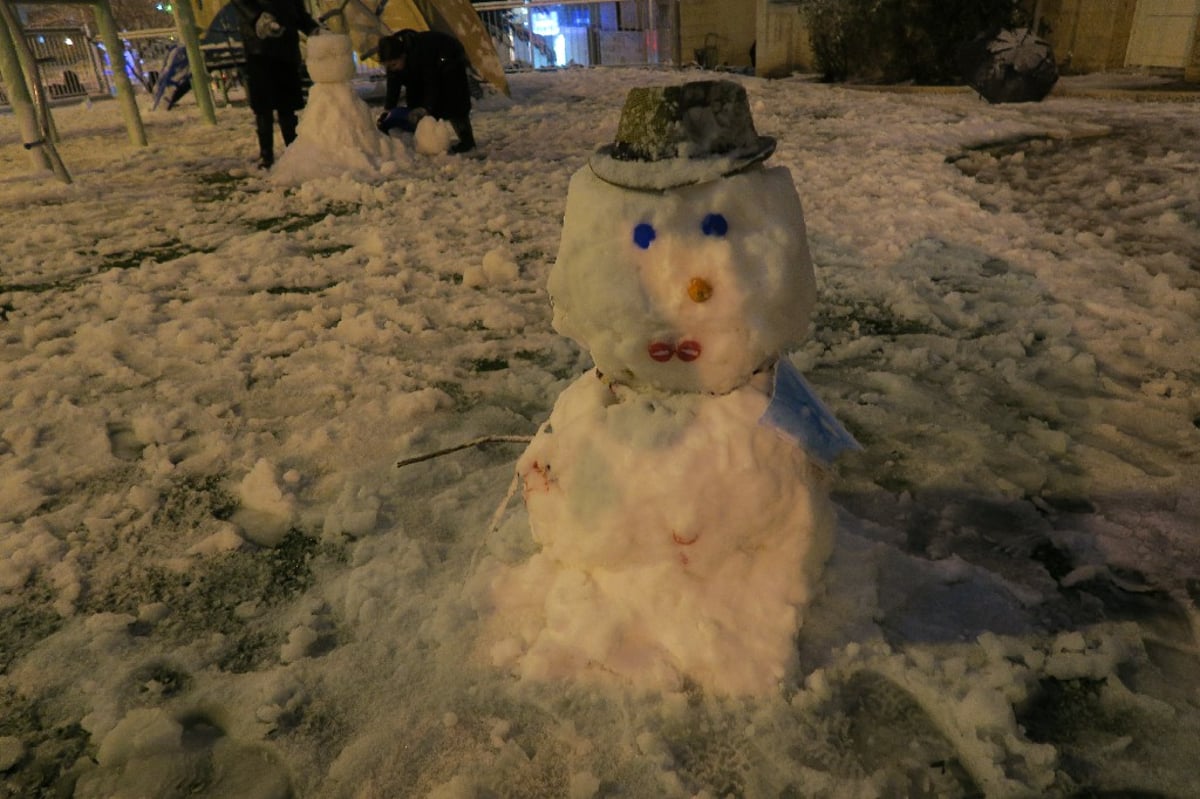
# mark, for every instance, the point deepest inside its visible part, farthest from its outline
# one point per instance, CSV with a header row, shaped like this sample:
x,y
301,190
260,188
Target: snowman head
x,y
693,286
329,58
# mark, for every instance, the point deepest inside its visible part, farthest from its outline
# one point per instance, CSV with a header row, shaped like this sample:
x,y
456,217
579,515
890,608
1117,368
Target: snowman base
x,y
680,543
337,136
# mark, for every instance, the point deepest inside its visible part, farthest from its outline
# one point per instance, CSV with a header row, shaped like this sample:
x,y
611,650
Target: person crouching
x,y
431,67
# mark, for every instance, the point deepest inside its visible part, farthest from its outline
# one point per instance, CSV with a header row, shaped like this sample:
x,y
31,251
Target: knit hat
x,y
672,136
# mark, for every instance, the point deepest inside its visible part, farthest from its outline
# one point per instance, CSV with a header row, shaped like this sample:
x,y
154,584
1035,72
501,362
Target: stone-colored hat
x,y
672,136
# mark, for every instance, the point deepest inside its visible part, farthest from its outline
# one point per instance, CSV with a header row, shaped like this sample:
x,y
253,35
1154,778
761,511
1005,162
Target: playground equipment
x,y
27,91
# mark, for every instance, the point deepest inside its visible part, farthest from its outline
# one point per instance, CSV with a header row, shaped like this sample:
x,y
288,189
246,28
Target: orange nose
x,y
699,290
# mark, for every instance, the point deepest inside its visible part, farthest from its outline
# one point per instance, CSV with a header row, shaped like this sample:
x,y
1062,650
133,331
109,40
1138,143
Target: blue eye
x,y
643,234
714,225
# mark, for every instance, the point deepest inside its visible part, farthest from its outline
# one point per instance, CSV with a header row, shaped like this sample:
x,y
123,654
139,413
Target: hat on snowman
x,y
673,136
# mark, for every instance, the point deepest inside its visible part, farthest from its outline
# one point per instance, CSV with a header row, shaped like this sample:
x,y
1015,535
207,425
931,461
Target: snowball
x,y
266,512
226,539
433,136
299,643
499,266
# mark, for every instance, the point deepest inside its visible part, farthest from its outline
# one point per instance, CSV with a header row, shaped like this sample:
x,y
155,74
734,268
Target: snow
x,y
657,491
337,137
1009,330
653,512
616,297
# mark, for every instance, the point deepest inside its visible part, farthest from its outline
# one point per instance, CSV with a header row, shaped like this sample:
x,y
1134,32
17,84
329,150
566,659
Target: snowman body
x,y
680,537
336,136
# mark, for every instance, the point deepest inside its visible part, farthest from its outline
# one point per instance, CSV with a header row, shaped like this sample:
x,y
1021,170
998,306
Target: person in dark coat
x,y
271,35
431,67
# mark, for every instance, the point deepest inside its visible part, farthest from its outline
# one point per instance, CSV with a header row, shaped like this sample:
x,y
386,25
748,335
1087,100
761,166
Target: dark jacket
x,y
274,68
434,75
291,14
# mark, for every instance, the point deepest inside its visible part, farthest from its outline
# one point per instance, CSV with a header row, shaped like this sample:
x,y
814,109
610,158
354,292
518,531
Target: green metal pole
x,y
29,65
19,99
116,60
185,21
35,133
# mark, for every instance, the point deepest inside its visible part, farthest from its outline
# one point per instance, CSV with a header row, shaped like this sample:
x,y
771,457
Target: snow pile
x,y
433,136
1009,607
337,136
654,514
658,490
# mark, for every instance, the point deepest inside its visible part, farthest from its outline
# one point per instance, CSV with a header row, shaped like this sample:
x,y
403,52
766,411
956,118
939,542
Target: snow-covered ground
x,y
215,581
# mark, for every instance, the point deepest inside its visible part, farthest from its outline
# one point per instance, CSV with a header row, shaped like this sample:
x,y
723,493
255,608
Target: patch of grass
x,y
194,499
488,364
462,400
540,358
216,187
548,361
35,288
167,680
206,597
129,259
249,650
329,249
23,626
1066,710
867,320
290,223
300,289
290,565
159,253
1004,147
45,771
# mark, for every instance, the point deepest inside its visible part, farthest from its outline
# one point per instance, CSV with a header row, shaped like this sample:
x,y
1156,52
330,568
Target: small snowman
x,y
337,134
678,490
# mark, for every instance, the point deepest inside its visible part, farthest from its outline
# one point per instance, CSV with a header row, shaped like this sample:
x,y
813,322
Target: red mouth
x,y
663,351
688,350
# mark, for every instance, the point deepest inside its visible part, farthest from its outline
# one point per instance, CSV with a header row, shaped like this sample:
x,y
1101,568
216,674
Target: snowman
x,y
678,490
337,134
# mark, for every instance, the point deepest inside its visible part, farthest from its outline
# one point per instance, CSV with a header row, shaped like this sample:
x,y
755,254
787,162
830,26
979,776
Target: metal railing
x,y
539,34
68,61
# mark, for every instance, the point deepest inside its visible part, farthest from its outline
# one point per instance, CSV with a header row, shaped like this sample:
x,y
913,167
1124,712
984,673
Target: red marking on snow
x,y
688,350
537,479
661,351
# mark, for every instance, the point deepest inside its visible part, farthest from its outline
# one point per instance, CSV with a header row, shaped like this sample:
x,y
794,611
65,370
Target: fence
x,y
68,61
74,65
538,34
